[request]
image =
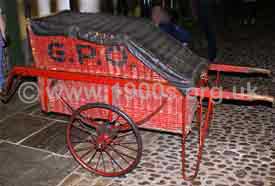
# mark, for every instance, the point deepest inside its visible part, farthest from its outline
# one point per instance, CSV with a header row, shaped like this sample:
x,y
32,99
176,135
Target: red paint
x,y
228,68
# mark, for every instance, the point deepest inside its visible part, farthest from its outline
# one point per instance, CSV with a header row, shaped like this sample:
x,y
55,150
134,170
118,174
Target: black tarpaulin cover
x,y
156,49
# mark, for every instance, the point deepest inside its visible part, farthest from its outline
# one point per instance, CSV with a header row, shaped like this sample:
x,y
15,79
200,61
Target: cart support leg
x,y
203,130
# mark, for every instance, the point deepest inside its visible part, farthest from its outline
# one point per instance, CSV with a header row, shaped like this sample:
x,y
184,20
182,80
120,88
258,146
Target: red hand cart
x,y
111,90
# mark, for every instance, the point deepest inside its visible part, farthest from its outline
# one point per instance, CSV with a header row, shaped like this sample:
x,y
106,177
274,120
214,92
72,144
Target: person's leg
x,y
253,12
247,12
125,8
147,8
207,25
120,7
2,80
241,8
211,39
244,12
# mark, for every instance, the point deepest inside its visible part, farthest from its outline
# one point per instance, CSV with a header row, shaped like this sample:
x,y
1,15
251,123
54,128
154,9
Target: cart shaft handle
x,y
238,69
216,93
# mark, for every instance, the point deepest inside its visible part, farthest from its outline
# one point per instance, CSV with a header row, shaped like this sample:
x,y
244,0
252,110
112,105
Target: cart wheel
x,y
97,139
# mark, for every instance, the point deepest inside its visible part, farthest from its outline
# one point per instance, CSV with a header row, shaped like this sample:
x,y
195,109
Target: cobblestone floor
x,y
240,148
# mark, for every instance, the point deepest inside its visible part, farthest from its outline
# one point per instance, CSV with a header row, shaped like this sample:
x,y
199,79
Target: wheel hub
x,y
106,133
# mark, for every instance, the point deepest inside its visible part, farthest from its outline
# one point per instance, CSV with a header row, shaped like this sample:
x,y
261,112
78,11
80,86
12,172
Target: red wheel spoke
x,y
98,161
103,162
82,129
113,160
114,169
92,157
86,131
84,155
82,149
128,143
125,135
121,153
129,148
120,139
72,135
81,141
93,139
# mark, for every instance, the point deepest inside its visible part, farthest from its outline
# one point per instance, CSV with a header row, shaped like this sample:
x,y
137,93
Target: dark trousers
x,y
206,21
224,12
145,8
122,7
249,10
